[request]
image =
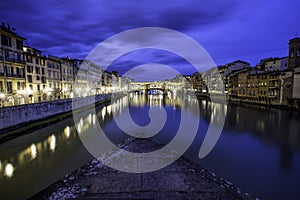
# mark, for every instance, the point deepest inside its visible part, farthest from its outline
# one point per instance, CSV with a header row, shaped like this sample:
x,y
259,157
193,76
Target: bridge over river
x,y
164,87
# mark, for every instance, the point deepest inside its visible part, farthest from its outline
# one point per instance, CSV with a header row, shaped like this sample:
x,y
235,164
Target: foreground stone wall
x,y
14,115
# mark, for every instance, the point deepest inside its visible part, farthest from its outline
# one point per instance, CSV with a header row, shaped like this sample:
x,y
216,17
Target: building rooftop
x,y
10,30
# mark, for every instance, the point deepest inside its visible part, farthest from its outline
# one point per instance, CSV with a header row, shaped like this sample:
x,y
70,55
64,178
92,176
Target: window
x,y
22,85
1,86
37,70
36,61
38,87
38,78
29,58
9,70
29,69
43,71
29,78
19,44
5,40
43,79
6,55
30,87
9,86
292,52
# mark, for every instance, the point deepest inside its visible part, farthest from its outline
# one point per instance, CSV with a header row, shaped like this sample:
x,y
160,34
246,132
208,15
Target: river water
x,y
259,148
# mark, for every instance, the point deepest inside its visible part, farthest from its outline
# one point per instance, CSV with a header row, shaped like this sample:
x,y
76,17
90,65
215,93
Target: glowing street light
x,y
2,97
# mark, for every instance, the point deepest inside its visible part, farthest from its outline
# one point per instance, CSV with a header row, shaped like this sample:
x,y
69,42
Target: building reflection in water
x,y
278,129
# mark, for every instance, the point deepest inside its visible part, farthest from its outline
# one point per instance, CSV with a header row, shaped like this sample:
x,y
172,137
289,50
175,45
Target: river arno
x,y
259,149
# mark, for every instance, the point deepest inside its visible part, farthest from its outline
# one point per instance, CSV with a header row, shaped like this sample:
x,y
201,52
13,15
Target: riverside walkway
x,y
181,180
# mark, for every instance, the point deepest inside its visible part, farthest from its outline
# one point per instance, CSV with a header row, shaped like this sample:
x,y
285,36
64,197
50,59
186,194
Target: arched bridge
x,y
145,87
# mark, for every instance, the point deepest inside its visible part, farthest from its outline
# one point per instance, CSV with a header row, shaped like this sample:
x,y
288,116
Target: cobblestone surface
x,y
181,180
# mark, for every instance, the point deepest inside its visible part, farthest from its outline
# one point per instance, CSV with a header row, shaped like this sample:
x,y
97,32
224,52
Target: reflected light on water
x,y
67,132
94,119
81,122
109,109
103,112
90,118
52,141
9,170
33,151
79,128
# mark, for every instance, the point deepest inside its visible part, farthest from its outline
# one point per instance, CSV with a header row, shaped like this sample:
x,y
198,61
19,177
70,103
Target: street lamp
x,y
2,97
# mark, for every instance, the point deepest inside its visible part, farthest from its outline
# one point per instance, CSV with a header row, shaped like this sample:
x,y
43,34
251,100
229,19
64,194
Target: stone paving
x,y
181,180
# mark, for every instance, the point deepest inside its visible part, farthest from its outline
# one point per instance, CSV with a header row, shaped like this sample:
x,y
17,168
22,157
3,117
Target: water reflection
x,y
103,112
33,151
108,108
52,142
9,170
262,131
67,132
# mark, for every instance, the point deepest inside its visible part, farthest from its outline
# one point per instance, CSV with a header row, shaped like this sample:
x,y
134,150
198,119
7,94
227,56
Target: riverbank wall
x,y
15,116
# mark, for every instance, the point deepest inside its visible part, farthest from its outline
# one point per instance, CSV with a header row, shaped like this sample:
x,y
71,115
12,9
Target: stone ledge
x,y
182,179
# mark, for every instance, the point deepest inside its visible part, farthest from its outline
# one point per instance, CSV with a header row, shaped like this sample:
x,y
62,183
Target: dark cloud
x,y
227,29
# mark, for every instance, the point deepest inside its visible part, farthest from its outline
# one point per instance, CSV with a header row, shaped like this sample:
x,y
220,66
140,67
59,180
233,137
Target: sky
x,y
228,30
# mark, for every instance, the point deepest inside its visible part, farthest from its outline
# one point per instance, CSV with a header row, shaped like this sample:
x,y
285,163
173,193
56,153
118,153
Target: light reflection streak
x,y
90,118
33,151
94,119
109,109
9,170
103,112
52,141
67,132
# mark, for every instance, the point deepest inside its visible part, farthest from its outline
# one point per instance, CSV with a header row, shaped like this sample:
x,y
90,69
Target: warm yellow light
x,y
2,95
9,170
67,132
52,142
33,151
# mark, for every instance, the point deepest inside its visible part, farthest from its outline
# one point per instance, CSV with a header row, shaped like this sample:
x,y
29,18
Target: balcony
x,y
7,75
12,59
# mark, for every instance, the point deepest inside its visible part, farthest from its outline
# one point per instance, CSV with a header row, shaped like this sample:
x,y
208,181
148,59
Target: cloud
x,y
227,29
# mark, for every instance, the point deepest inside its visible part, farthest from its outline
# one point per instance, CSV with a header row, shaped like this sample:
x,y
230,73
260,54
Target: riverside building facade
x,y
12,67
